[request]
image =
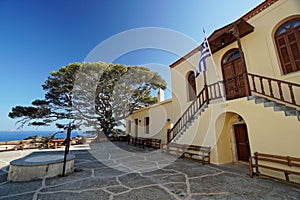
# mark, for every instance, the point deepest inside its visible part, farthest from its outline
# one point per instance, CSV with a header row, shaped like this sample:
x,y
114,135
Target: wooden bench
x,y
154,143
141,142
201,153
131,139
123,137
137,141
174,148
148,142
55,143
285,164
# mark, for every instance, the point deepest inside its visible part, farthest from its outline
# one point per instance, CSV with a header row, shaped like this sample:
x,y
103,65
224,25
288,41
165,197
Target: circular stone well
x,y
39,167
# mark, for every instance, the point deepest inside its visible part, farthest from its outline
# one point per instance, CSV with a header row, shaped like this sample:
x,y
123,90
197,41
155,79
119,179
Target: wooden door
x,y
242,142
233,71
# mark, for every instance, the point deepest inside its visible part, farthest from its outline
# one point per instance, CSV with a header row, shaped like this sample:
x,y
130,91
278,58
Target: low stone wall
x,y
39,167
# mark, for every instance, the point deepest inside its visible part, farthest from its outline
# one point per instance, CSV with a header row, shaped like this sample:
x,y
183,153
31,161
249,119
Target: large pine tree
x,y
96,96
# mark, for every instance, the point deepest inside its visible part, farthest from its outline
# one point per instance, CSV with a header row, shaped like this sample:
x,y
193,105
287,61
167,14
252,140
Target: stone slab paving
x,y
120,171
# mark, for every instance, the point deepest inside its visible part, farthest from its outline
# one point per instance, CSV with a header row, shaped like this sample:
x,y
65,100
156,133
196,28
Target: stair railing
x,y
216,90
279,90
282,91
194,107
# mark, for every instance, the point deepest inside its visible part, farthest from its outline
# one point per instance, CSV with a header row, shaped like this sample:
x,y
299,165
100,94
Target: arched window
x,y
191,86
231,55
287,38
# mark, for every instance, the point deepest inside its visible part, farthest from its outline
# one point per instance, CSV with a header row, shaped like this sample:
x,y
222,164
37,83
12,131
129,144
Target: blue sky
x,y
39,36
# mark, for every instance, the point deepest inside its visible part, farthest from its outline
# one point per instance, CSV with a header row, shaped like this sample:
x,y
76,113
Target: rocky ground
x,y
116,171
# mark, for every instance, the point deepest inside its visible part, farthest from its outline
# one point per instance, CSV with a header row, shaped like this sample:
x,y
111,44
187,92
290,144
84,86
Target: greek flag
x,y
205,53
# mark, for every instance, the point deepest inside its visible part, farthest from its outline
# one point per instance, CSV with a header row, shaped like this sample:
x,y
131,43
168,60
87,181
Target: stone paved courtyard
x,y
116,171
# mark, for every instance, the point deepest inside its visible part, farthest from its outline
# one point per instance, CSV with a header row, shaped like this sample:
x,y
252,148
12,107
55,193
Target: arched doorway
x,y
233,71
191,86
232,138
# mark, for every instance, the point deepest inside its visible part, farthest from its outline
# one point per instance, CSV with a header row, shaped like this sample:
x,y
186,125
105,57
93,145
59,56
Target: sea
x,y
20,135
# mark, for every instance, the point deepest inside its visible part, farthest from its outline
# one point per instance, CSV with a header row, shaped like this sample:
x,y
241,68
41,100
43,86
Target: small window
x,y
147,125
287,39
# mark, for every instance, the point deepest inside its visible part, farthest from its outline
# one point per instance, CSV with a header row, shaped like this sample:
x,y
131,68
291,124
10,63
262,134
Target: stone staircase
x,y
190,123
288,111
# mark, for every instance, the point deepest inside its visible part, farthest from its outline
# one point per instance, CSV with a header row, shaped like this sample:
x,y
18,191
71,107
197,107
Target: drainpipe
x,y
206,88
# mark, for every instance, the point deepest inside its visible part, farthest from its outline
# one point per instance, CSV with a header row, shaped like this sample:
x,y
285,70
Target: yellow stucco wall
x,y
268,131
158,114
262,59
259,46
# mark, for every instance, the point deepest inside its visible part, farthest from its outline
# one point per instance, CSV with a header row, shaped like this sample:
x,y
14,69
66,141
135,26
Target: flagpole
x,y
205,87
214,66
204,77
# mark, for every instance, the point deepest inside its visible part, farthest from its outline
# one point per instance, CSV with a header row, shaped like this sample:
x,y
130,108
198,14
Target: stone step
x,y
260,100
198,114
176,137
291,112
190,123
280,107
288,111
249,98
269,104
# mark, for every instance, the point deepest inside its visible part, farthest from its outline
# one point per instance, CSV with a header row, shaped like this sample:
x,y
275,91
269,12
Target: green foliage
x,y
98,95
20,111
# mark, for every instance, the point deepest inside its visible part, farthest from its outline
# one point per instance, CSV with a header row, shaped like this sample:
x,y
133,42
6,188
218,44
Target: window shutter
x,y
288,45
